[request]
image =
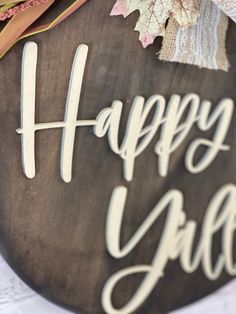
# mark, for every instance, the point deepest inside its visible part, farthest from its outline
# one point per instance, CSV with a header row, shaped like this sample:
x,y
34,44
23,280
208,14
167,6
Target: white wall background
x,y
17,298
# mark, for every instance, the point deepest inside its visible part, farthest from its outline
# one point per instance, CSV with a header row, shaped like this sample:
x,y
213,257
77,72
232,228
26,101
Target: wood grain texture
x,y
52,233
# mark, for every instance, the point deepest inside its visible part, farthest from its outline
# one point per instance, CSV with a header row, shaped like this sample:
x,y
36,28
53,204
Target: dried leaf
x,y
20,25
154,15
60,18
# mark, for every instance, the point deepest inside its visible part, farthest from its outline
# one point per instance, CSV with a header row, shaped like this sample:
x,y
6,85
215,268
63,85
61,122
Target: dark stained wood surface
x,y
52,233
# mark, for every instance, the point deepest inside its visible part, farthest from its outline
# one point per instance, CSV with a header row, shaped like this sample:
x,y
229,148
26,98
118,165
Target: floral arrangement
x,y
193,31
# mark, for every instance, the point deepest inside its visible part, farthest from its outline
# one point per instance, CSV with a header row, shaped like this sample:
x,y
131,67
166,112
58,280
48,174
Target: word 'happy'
x,y
173,122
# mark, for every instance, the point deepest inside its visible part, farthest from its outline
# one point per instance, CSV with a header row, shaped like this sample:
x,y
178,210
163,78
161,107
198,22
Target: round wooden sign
x,y
54,234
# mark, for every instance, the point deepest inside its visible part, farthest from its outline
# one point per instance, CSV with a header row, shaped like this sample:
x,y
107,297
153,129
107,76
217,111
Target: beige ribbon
x,y
228,7
203,44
